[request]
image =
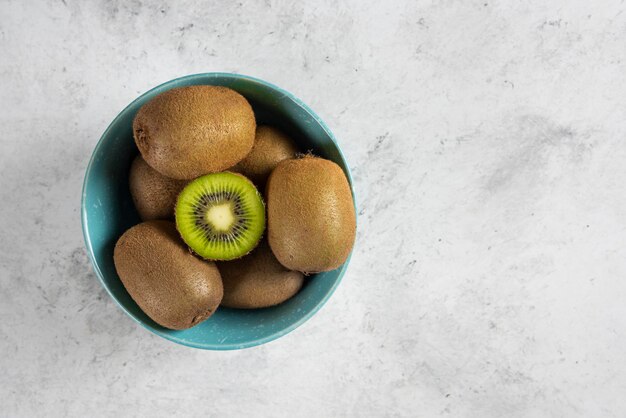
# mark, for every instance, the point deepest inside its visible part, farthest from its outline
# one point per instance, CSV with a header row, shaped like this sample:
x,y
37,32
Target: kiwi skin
x,y
173,287
310,214
271,146
186,132
258,280
154,194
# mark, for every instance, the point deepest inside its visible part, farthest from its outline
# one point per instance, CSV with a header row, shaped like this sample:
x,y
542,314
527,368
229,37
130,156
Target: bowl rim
x,y
173,337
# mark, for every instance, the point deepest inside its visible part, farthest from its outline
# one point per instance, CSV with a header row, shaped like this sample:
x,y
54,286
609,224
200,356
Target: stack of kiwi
x,y
232,213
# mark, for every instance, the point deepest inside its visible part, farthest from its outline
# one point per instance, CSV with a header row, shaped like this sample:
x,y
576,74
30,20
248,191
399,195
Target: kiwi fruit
x,y
221,216
186,132
154,194
271,146
258,280
311,220
172,286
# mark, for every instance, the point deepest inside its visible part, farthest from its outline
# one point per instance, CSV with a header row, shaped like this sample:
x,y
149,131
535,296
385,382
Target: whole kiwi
x,y
258,280
310,214
186,132
271,146
154,194
172,286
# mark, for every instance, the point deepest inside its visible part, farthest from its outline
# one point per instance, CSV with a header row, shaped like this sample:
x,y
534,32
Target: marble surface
x,y
487,143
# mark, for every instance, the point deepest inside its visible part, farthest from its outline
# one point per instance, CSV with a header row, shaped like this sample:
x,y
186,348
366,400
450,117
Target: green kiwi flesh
x,y
220,216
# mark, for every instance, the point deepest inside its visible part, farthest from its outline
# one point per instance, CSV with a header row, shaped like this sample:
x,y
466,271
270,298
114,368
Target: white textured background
x,y
487,142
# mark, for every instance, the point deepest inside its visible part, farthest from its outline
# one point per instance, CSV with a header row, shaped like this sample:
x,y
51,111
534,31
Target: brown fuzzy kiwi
x,y
154,194
258,280
271,146
172,286
186,132
310,213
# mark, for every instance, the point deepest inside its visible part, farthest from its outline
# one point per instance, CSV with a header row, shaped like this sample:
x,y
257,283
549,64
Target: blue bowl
x,y
108,211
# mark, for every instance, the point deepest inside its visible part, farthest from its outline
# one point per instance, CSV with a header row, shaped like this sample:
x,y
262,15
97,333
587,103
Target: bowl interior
x,y
108,211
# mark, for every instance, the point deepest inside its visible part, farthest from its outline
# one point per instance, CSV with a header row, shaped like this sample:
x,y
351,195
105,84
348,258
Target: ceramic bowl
x,y
108,211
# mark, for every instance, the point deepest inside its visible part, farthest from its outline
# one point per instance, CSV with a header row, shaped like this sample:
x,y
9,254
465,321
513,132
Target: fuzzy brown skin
x,y
173,287
310,213
271,146
258,280
186,132
154,194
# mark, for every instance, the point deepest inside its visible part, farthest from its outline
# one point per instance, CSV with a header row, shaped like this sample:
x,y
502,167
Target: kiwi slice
x,y
220,216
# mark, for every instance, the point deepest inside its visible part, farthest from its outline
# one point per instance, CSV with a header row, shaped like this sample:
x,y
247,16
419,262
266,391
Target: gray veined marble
x,y
487,142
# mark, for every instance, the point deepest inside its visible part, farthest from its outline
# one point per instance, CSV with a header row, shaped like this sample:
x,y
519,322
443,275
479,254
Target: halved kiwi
x,y
220,216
